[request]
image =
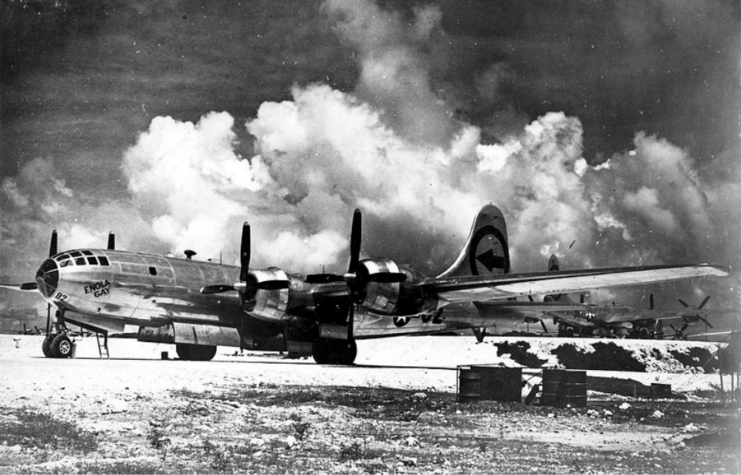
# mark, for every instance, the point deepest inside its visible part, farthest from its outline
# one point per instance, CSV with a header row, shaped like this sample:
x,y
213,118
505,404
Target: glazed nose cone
x,y
47,278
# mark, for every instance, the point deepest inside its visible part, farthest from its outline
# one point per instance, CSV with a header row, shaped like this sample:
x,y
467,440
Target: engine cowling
x,y
382,291
266,296
377,295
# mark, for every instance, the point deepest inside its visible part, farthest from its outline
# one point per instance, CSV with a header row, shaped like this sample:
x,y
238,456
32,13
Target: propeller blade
x,y
216,289
651,301
355,240
684,304
545,328
53,245
703,302
111,241
710,325
245,252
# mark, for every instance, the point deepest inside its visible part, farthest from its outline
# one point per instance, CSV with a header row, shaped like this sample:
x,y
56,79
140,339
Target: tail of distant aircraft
x,y
486,250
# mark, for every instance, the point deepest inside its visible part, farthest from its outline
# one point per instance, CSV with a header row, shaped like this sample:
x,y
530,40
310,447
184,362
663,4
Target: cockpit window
x,y
75,253
80,261
103,260
87,253
66,262
92,261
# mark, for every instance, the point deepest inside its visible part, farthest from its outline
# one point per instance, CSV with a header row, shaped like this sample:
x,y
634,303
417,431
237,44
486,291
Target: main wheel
x,y
61,346
46,347
190,352
341,352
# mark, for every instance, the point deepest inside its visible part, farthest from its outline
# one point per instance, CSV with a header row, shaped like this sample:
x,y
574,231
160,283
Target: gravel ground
x,y
395,411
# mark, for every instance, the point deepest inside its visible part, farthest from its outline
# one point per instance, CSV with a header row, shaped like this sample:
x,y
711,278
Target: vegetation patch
x,y
28,428
606,357
695,357
519,352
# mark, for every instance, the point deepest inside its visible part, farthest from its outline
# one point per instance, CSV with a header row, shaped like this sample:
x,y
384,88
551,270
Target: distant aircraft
x,y
199,305
623,321
28,331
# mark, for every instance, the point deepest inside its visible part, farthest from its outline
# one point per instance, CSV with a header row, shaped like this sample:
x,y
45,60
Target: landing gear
x,y
46,347
340,352
61,346
190,352
565,330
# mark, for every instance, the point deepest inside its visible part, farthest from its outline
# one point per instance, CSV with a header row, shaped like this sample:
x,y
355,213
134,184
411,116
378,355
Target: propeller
x,y
53,245
351,277
698,315
52,251
679,333
357,275
244,252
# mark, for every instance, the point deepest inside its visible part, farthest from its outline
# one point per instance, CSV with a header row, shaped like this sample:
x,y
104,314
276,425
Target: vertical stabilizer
x,y
486,250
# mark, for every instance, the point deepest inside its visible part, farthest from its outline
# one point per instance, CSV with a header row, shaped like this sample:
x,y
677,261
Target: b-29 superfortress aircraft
x,y
201,305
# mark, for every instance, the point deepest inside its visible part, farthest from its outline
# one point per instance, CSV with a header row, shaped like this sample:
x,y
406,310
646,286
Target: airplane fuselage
x,y
138,289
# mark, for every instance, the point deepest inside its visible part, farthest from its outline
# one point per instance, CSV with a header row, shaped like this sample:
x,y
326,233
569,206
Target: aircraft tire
x,y
339,352
183,351
61,346
46,347
203,353
188,352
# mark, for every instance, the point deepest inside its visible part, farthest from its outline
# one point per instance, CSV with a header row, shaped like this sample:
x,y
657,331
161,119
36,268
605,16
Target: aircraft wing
x,y
502,286
25,287
531,309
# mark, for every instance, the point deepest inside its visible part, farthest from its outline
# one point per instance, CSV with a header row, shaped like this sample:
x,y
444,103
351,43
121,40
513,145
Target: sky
x,y
606,131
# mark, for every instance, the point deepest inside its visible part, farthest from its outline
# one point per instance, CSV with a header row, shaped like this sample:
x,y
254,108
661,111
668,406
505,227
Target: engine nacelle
x,y
266,297
378,296
383,293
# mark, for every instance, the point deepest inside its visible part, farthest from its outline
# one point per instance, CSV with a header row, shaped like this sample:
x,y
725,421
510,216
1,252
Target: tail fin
x,y
486,250
553,263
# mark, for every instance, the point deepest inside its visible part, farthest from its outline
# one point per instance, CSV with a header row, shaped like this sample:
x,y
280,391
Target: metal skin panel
x,y
146,290
205,335
381,298
270,305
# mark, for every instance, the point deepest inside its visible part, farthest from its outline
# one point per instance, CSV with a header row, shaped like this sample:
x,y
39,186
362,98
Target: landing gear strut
x,y
340,352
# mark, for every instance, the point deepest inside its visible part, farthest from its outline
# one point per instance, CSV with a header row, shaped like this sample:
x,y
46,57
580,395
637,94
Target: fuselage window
x,y
80,261
75,253
92,261
152,271
103,261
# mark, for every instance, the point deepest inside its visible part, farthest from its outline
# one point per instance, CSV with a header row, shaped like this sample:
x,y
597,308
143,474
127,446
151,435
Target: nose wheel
x,y
57,346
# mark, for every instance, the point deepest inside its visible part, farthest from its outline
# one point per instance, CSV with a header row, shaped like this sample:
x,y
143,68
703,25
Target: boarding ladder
x,y
102,346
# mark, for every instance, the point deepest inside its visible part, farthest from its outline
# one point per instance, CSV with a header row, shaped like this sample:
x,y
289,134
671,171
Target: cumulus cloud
x,y
418,173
